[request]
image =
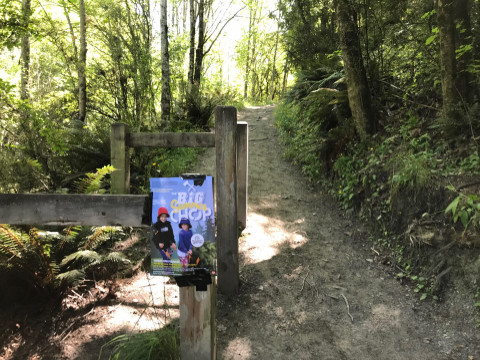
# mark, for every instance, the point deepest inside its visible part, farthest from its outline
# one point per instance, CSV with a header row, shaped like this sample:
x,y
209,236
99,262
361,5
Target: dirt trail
x,y
312,287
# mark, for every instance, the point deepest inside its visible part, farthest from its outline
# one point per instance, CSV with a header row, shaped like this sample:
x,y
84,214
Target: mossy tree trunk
x,y
166,91
357,85
25,51
446,35
82,62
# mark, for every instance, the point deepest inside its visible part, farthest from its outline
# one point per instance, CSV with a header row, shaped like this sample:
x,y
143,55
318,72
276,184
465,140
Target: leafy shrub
x,y
465,207
312,121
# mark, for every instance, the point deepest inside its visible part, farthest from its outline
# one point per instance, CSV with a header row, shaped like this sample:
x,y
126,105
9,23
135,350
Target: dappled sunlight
x,y
238,349
263,237
147,310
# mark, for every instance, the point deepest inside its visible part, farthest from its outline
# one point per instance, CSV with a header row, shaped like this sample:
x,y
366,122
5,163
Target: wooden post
x,y
197,323
120,159
242,172
226,199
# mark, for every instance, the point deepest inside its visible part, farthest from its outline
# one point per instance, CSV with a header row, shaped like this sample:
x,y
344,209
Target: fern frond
x,y
9,234
100,235
81,258
116,258
8,252
71,278
93,181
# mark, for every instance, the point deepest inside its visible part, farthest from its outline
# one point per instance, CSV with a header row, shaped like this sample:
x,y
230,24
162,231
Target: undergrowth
x,y
162,344
403,179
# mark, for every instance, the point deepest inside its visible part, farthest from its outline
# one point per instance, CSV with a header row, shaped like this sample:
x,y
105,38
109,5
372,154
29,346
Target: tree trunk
x,y
25,51
200,44
166,92
82,62
191,59
446,35
274,70
247,62
357,86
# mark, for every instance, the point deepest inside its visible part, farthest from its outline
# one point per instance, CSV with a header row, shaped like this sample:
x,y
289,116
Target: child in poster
x,y
185,242
163,237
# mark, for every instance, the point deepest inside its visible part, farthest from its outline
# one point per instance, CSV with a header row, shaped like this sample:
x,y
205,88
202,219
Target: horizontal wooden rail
x,y
59,209
203,139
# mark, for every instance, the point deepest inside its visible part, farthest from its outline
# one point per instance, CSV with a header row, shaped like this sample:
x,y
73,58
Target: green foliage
x,y
162,344
312,122
309,32
465,207
411,171
421,285
77,266
347,168
92,183
85,253
27,254
471,164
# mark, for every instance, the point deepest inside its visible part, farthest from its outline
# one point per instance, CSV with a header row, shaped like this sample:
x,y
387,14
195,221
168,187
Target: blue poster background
x,y
193,200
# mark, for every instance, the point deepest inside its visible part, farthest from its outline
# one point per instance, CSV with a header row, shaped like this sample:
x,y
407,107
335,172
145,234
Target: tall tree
x,y
191,57
25,50
357,85
253,7
199,52
274,69
82,63
446,34
166,91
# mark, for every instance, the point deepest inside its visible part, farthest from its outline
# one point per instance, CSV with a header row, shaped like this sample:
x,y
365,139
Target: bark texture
x,y
357,85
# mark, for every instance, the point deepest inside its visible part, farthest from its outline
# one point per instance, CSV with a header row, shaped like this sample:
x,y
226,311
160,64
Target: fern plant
x,y
29,253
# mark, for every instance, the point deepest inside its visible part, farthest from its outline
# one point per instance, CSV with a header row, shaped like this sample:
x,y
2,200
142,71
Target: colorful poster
x,y
183,226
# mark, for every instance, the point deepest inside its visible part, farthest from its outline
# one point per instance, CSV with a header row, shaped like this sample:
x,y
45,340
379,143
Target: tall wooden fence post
x,y
197,323
226,199
120,159
242,172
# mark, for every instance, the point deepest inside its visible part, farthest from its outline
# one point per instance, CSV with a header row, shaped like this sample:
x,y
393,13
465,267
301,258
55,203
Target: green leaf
x,y
453,206
424,296
464,218
430,39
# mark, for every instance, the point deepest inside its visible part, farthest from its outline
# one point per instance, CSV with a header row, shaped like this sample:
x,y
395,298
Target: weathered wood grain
x,y
226,199
172,140
59,209
197,323
242,172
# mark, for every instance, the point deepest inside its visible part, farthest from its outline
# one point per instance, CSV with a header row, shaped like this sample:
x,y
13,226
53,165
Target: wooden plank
x,y
120,159
242,172
226,199
172,139
197,323
59,209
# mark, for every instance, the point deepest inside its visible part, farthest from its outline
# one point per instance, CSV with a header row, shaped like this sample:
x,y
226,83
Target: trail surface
x,y
313,287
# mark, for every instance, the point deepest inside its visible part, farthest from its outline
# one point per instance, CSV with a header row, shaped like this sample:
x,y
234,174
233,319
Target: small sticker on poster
x,y
182,237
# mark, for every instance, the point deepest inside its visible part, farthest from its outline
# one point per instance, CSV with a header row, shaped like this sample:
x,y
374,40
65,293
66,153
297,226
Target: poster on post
x,y
182,236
